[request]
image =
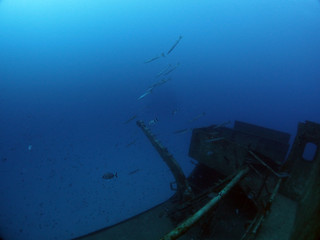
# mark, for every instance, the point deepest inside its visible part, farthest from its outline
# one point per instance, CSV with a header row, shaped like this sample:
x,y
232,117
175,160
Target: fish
x,y
215,139
130,119
175,44
197,117
193,162
150,89
131,143
155,58
134,171
222,124
159,83
153,122
171,69
109,175
163,71
181,131
174,112
152,59
145,94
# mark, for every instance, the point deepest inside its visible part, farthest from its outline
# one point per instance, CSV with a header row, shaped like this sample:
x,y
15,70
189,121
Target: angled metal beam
x,y
183,189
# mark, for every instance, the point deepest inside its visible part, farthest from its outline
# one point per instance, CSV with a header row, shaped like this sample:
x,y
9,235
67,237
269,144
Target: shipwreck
x,y
247,184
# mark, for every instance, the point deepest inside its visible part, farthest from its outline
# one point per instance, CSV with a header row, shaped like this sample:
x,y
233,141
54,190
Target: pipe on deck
x,y
187,224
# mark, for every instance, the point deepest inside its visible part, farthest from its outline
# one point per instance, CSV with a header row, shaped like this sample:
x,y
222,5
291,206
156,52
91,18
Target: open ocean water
x,y
72,73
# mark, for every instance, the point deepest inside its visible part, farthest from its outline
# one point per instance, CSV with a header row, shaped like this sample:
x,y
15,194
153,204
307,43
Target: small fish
x,y
146,93
215,139
153,122
159,83
131,143
152,59
222,124
193,162
134,171
197,117
175,44
30,147
171,69
181,131
213,133
109,175
174,112
130,119
163,71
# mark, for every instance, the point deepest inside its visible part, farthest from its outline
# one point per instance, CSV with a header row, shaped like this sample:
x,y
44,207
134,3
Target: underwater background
x,y
72,73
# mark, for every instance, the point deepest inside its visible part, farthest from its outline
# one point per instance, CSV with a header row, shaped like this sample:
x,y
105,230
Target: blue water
x,y
71,73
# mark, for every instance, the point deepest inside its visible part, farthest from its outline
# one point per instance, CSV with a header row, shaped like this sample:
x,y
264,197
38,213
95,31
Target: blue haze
x,y
70,76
